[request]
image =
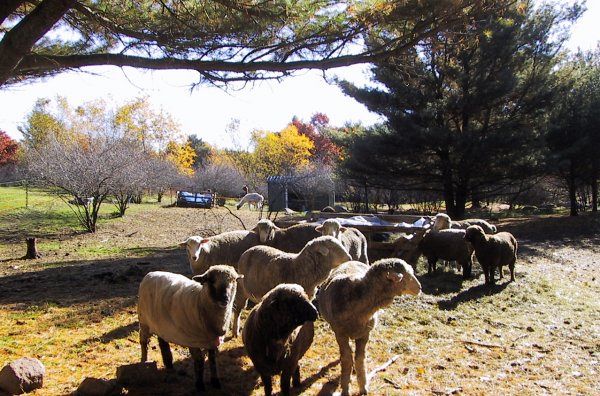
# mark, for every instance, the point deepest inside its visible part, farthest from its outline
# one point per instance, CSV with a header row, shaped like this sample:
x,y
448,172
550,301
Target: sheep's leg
x,y
285,381
486,273
431,261
198,357
144,340
165,351
359,362
267,383
214,373
501,272
296,377
511,266
238,305
346,362
466,268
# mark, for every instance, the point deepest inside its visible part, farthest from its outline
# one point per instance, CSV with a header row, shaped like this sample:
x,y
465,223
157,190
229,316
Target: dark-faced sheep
x,y
352,239
291,239
191,313
278,332
349,301
493,251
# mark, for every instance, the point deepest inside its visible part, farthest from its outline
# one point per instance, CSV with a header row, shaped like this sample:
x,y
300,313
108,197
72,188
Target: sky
x,y
206,111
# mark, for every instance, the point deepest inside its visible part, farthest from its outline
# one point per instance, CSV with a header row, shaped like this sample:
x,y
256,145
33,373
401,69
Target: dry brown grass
x,y
75,310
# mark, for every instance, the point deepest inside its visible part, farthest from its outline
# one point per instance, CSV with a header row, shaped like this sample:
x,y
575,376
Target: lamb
x,y
442,222
352,239
191,313
493,251
225,248
265,267
278,332
446,244
349,301
251,199
291,239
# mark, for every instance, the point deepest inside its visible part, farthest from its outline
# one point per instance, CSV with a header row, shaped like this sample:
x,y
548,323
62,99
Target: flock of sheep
x,y
293,275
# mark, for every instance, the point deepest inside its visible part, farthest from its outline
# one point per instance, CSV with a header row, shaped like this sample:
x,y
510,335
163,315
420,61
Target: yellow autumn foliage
x,y
280,153
182,155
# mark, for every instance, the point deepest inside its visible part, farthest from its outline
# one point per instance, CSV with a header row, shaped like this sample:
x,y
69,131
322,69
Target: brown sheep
x,y
493,251
278,332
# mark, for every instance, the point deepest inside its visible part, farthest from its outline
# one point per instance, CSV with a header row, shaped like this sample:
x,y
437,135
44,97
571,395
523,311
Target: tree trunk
x,y
572,191
460,203
159,197
32,252
366,199
594,186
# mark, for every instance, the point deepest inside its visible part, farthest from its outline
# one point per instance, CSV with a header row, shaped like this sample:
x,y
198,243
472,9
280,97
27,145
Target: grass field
x,y
74,309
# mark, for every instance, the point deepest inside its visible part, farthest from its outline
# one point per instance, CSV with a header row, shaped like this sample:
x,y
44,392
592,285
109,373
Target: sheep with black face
x,y
278,332
191,313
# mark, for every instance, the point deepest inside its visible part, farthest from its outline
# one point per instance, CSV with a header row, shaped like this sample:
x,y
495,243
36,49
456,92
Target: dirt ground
x,y
74,309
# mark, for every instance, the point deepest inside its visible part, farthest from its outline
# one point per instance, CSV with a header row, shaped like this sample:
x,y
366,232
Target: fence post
x,y
26,195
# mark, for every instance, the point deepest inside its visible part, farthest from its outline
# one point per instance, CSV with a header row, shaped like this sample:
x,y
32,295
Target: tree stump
x,y
32,252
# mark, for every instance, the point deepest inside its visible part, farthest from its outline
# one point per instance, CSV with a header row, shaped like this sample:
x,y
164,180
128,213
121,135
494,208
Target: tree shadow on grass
x,y
308,381
38,223
84,281
559,229
473,293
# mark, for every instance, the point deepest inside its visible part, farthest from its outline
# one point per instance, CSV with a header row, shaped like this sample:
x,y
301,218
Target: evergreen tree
x,y
463,108
574,129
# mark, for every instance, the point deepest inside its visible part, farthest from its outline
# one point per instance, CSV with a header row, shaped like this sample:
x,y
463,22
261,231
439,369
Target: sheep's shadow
x,y
441,282
473,293
114,334
308,381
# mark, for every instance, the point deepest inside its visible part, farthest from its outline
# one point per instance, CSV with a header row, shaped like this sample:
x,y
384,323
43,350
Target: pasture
x,y
75,309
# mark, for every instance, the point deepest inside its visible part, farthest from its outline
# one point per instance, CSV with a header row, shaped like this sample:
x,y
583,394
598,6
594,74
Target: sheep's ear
x,y
202,279
343,229
394,276
183,244
240,276
322,250
318,228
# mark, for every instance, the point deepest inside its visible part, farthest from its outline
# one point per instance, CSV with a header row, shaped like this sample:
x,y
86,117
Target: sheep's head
x,y
286,307
329,250
221,281
474,234
441,221
195,245
395,277
265,230
331,227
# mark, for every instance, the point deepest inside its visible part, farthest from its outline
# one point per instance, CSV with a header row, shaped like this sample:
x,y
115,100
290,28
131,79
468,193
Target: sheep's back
x,y
464,224
263,268
169,305
446,244
226,248
294,238
354,242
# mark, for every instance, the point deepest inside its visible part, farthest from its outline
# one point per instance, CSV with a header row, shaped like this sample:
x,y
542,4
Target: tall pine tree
x,y
463,108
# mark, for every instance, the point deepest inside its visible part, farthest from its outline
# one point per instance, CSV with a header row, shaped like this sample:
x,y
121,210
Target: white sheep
x,y
349,301
265,267
291,239
251,199
225,248
352,239
443,222
191,313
